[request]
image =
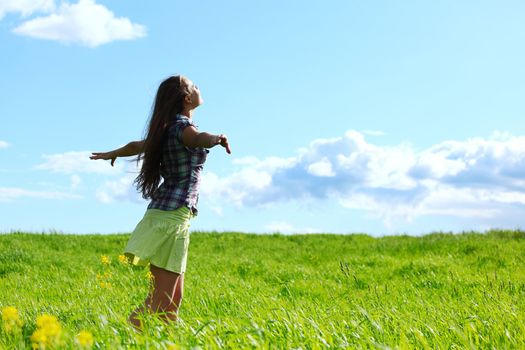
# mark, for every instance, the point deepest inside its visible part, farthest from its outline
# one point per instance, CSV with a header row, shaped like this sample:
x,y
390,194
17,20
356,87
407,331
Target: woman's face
x,y
194,99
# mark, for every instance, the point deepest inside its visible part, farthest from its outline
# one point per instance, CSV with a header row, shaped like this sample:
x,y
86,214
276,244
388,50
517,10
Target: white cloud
x,y
479,177
286,228
121,189
25,7
85,23
468,202
75,163
321,168
8,194
78,162
3,144
239,187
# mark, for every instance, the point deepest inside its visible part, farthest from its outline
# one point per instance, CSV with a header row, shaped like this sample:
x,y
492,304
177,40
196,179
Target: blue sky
x,y
344,116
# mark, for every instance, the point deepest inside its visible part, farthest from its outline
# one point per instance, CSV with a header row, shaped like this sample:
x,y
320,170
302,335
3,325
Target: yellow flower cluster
x,y
103,284
104,275
103,279
105,259
123,259
150,276
48,330
172,347
11,319
84,339
47,333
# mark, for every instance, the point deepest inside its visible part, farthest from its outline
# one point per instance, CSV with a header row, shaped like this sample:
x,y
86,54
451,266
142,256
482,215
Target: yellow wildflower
x,y
85,339
45,320
9,313
173,347
47,333
103,284
11,319
105,259
106,275
39,338
123,259
53,329
149,275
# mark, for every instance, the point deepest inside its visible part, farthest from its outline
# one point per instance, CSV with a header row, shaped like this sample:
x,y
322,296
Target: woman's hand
x,y
105,156
131,149
223,141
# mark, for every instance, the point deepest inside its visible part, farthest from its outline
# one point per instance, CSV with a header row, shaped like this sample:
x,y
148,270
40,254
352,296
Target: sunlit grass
x,y
275,291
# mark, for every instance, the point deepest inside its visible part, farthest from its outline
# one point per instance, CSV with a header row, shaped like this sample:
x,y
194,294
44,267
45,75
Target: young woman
x,y
174,151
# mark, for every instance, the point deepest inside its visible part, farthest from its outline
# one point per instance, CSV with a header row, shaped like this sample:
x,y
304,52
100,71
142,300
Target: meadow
x,y
316,291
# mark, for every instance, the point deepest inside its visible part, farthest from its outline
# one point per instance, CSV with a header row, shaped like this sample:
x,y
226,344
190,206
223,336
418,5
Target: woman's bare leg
x,y
179,291
165,298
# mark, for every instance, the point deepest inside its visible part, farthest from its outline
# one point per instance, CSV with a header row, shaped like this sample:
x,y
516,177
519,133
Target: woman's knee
x,y
164,279
155,270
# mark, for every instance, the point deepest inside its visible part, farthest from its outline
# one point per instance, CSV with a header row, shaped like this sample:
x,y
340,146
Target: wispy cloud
x,y
121,189
85,23
25,7
73,163
286,228
77,162
3,144
8,194
479,177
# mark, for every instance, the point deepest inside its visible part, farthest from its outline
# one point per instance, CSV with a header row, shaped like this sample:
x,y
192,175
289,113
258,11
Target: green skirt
x,y
161,238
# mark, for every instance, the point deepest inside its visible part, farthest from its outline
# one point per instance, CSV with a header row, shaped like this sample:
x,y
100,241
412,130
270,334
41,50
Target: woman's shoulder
x,y
178,124
182,120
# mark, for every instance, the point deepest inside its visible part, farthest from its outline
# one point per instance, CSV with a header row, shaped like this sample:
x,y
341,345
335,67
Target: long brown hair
x,y
168,102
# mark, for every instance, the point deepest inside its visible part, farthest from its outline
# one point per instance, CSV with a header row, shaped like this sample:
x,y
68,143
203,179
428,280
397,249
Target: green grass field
x,y
438,291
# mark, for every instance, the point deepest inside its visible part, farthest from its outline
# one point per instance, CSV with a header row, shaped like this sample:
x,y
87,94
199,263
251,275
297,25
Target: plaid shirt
x,y
180,168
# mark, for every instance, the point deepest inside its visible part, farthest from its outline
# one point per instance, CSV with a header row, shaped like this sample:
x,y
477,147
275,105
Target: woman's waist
x,y
179,214
180,179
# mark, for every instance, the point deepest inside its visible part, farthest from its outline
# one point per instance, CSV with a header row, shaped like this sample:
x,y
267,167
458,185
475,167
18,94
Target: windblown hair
x,y
168,102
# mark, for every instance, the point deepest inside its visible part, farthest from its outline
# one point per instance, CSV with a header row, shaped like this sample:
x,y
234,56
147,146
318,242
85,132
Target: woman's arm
x,y
131,149
192,138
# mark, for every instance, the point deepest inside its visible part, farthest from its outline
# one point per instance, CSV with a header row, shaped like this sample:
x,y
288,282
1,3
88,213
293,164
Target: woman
x,y
175,151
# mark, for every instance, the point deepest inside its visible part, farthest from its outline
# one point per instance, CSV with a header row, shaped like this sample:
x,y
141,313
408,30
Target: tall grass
x,y
438,291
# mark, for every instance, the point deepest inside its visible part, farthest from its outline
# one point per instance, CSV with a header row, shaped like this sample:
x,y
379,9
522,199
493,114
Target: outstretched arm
x,y
131,149
192,138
